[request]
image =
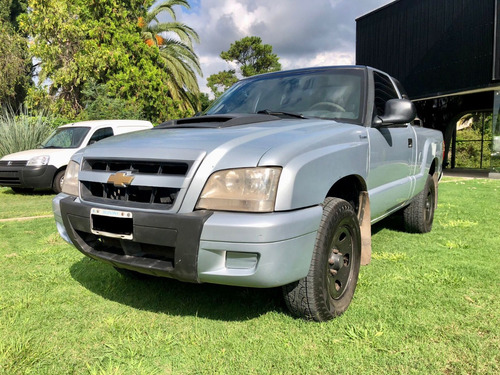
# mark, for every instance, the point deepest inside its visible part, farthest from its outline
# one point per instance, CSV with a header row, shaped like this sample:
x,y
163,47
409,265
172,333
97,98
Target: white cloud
x,y
312,33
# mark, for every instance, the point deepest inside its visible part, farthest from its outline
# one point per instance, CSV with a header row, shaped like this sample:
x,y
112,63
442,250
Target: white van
x,y
43,168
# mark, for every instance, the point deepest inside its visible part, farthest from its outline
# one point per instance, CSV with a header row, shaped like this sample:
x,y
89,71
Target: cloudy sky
x,y
302,33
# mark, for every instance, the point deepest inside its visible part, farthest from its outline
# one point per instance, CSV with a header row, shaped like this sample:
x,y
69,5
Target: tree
x,y
14,62
251,56
221,81
97,42
99,105
175,43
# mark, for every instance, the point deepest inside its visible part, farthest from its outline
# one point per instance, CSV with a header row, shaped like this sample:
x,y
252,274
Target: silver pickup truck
x,y
276,184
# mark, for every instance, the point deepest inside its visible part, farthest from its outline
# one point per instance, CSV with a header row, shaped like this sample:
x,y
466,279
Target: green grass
x,y
14,205
427,304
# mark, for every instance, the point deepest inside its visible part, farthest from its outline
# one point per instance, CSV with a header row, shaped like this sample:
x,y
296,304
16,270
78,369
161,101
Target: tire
x,y
327,290
58,182
419,215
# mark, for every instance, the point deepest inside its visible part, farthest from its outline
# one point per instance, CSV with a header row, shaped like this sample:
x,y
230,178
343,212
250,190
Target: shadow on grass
x,y
22,192
163,295
393,222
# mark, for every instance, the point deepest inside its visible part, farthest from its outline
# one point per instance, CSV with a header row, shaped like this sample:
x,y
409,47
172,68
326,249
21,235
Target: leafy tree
x,y
14,62
251,56
99,105
97,42
11,9
221,81
175,43
13,69
204,101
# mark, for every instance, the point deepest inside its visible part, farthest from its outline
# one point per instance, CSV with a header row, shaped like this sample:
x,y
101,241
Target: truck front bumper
x,y
242,249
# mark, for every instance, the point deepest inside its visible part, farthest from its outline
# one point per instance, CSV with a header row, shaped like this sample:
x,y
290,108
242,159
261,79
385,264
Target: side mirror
x,y
397,112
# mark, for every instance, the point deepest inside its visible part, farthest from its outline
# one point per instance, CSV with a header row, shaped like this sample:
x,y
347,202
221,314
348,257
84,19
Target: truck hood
x,y
262,143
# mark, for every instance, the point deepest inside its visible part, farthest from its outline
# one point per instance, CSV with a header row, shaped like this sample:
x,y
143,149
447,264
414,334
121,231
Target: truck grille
x,y
159,168
156,194
137,194
13,163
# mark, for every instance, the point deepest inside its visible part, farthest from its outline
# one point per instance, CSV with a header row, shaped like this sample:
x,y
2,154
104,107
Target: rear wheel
x,y
327,290
419,215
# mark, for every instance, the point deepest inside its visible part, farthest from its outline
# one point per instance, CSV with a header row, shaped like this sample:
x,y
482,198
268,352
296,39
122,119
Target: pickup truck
x,y
276,184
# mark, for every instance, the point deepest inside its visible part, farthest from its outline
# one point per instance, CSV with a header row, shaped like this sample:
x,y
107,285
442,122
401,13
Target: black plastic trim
x,y
217,121
28,177
179,232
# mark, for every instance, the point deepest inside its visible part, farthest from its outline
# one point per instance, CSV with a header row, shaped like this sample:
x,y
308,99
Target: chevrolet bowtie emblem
x,y
121,179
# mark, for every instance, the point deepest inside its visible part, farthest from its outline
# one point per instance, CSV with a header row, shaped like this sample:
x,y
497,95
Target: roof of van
x,y
98,123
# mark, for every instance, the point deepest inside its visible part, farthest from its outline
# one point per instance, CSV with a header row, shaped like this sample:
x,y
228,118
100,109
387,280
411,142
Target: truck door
x,y
392,154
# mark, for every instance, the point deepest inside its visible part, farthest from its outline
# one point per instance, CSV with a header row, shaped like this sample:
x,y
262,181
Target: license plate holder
x,y
112,223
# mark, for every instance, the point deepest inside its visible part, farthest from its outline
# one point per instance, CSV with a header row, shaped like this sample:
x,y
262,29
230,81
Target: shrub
x,y
23,131
100,106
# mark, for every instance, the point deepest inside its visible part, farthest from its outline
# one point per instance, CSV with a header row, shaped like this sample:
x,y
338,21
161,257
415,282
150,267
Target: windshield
x,y
66,138
328,93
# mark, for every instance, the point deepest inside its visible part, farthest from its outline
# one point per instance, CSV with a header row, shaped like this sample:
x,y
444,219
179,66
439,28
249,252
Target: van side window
x,y
384,90
101,134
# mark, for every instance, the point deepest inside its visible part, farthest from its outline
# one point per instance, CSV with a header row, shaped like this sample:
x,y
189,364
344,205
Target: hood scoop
x,y
217,121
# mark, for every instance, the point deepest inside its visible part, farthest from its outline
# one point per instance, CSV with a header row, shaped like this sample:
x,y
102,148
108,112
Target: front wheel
x,y
58,182
327,290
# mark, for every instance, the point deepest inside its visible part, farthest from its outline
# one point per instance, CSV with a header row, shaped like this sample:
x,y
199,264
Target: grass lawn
x,y
14,205
427,304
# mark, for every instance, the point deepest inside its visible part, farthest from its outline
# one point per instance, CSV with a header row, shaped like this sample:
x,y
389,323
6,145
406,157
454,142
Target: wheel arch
x,y
432,168
348,188
434,173
353,189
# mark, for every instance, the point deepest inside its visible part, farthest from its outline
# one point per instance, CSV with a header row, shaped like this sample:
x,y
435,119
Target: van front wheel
x,y
58,182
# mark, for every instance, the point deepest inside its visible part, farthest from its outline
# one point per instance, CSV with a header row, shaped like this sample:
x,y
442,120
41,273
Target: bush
x,y
469,140
25,130
100,106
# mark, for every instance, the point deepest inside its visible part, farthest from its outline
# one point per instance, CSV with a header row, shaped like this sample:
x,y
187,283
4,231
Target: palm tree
x,y
175,43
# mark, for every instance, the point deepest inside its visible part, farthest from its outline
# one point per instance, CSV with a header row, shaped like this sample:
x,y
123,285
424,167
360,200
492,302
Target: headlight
x,y
70,184
38,161
246,189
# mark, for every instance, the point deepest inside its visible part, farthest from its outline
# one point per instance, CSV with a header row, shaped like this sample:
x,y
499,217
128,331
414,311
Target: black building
x,y
447,55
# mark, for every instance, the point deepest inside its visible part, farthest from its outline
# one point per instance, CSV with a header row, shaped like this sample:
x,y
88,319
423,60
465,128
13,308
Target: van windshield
x,y
66,137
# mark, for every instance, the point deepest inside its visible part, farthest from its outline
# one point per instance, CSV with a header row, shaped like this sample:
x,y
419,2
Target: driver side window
x,y
384,90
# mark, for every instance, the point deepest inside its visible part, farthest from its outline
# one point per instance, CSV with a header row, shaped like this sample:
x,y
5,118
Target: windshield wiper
x,y
280,113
